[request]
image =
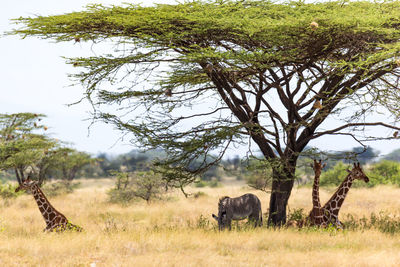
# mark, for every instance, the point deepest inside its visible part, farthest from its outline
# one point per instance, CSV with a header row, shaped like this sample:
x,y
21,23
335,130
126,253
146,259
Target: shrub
x,y
383,221
213,183
334,176
259,175
59,188
200,184
199,194
7,191
385,172
145,185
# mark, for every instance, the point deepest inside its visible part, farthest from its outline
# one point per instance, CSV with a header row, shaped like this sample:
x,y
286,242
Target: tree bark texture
x,y
282,184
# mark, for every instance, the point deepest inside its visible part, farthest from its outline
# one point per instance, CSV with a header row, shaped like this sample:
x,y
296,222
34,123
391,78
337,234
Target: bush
x,y
199,194
7,191
145,185
122,196
334,176
382,172
383,221
213,183
59,188
385,172
259,175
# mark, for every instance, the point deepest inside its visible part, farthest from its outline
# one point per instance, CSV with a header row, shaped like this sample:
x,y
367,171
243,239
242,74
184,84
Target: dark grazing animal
x,y
238,208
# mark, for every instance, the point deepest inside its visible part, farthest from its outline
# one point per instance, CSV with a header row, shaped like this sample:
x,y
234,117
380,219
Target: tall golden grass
x,y
171,233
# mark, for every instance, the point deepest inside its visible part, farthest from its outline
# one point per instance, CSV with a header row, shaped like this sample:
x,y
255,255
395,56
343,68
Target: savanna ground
x,y
181,232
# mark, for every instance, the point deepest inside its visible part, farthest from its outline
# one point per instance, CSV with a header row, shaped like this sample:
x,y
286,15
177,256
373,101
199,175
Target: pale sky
x,y
34,79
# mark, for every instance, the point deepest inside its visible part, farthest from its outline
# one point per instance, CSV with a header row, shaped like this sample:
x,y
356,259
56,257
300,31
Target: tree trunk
x,y
42,176
282,185
18,177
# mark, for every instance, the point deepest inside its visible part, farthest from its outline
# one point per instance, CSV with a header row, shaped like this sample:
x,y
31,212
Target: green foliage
x,y
259,175
384,172
7,191
284,23
383,221
213,183
304,171
20,148
297,215
132,161
334,176
67,162
59,188
145,185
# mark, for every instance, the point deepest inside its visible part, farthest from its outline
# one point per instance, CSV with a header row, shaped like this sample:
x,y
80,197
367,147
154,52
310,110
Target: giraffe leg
x,y
339,224
47,229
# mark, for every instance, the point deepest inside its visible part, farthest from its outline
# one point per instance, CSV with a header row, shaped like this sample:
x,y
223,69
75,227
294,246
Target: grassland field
x,y
180,232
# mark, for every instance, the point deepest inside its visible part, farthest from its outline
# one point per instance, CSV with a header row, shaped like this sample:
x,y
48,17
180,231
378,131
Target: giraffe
x,y
330,211
315,216
55,221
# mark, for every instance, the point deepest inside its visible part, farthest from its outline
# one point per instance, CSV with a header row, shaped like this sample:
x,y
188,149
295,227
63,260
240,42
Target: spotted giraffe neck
x,y
315,192
335,202
47,210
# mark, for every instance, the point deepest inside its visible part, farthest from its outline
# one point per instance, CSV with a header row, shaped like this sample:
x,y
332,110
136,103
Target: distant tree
x,y
235,162
46,164
393,156
69,161
272,73
365,154
259,175
304,171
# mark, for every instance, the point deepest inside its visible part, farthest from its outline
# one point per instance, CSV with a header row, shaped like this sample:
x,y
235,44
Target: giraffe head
x,y
358,173
26,185
318,166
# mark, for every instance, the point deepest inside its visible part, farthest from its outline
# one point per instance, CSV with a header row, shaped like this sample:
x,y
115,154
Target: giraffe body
x,y
55,220
316,215
329,213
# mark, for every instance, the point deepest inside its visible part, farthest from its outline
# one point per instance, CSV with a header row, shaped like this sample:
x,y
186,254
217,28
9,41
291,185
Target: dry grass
x,y
165,233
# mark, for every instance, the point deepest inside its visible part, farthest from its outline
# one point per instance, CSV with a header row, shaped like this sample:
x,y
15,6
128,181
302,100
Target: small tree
x,y
146,185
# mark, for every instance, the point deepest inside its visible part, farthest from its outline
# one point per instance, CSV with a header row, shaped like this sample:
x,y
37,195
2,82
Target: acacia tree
x,y
20,147
257,72
69,161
